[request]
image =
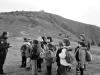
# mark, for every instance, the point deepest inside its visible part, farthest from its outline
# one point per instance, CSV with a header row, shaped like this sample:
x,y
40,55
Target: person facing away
x,y
4,45
83,39
82,57
87,45
62,55
49,58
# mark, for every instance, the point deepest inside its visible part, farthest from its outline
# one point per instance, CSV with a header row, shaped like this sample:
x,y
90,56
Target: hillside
x,y
34,24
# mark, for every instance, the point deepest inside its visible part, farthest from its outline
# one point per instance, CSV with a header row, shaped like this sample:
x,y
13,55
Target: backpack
x,y
50,56
88,56
68,57
53,57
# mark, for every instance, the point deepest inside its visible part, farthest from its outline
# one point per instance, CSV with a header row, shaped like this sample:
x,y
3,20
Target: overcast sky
x,y
86,11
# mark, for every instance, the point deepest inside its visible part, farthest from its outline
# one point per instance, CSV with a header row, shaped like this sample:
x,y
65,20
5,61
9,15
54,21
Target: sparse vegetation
x,y
49,22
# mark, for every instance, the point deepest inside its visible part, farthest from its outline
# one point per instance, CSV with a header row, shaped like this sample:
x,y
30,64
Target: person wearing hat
x,y
4,45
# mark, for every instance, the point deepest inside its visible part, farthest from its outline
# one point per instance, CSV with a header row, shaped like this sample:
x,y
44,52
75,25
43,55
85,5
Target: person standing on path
x,y
4,45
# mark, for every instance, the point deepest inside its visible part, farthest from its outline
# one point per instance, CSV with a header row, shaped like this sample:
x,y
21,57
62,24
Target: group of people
x,y
42,50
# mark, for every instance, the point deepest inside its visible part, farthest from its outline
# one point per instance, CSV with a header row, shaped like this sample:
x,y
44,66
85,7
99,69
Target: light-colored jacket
x,y
82,56
62,56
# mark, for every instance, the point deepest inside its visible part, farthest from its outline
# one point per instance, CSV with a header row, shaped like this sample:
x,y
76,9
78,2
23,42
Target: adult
x,y
4,45
81,58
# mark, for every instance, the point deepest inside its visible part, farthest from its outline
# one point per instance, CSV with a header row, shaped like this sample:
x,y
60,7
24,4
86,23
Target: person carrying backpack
x,y
81,58
58,58
64,64
4,45
50,58
34,56
87,45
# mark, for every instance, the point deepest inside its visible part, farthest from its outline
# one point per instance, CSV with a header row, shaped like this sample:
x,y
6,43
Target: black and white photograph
x,y
49,37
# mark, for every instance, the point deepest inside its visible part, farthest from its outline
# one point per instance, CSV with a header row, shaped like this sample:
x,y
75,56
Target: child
x,y
49,57
23,49
58,58
82,54
34,56
64,64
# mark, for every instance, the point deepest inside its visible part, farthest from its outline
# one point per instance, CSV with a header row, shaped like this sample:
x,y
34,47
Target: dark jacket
x,y
33,55
57,56
23,49
4,45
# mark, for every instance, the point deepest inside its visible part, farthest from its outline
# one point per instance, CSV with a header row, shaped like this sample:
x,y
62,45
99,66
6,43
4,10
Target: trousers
x,y
2,60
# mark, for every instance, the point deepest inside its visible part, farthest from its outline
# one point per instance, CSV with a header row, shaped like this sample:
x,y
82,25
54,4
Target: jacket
x,y
23,49
33,55
48,57
82,56
62,56
27,51
57,56
4,45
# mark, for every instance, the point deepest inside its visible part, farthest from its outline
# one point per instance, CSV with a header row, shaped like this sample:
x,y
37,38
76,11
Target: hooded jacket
x,y
62,56
82,56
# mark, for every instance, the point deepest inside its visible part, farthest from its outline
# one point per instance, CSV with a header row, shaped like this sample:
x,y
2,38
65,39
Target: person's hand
x,y
10,45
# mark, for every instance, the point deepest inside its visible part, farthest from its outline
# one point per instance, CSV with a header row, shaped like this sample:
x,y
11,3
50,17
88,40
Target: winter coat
x,y
28,51
49,56
62,56
23,49
3,45
57,56
82,56
33,55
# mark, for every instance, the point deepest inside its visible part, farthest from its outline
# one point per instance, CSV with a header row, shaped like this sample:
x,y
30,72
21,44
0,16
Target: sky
x,y
86,11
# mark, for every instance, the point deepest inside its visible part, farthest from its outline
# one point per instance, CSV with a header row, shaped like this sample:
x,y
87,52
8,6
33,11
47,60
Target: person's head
x,y
49,46
82,37
60,43
25,39
44,38
35,42
82,44
66,42
49,39
5,35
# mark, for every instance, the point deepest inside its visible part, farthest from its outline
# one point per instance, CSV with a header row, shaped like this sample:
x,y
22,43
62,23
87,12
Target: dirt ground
x,y
13,62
